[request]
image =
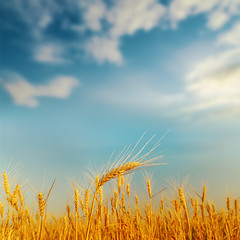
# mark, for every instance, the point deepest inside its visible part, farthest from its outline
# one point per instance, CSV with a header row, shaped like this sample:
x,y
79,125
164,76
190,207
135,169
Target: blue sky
x,y
81,79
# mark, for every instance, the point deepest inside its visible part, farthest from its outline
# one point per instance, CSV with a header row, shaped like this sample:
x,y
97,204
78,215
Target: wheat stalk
x,y
120,169
76,201
41,206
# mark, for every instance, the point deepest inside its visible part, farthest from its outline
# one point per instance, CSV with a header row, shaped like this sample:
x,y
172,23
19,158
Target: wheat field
x,y
120,214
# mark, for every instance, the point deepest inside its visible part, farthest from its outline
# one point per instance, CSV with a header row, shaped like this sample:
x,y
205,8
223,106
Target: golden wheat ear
x,y
126,163
6,185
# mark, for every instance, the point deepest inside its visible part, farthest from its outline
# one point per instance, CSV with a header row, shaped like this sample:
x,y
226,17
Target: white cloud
x,y
105,49
26,94
223,12
214,64
231,37
120,18
45,20
95,12
91,12
125,17
214,82
219,12
216,93
217,19
129,16
181,9
211,87
49,53
224,85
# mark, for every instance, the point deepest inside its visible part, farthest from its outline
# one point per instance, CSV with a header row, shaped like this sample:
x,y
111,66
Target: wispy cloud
x,y
213,83
217,19
125,18
105,49
27,94
38,15
219,12
93,15
223,13
214,64
211,87
231,37
181,9
45,20
98,22
49,53
217,87
129,16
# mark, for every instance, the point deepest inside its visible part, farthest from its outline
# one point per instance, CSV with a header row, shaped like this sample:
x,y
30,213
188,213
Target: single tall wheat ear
x,y
42,205
128,161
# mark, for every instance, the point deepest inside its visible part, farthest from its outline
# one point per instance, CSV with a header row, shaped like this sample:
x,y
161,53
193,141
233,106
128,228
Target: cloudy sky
x,y
80,79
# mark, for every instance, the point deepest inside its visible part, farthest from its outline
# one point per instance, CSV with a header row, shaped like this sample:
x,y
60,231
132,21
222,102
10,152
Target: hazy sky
x,y
80,79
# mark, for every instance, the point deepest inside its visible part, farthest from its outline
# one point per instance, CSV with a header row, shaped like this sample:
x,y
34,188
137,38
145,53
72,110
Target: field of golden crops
x,y
119,215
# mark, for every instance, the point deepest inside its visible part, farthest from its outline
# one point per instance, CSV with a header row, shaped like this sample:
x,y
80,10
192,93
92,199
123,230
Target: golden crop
x,y
113,217
119,215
